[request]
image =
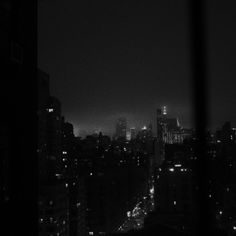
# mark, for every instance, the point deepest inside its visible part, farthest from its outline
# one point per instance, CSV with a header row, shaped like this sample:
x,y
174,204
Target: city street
x,y
135,218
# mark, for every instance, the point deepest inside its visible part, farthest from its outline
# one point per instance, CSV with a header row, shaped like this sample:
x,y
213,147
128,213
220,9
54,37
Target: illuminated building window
x,y
64,152
171,169
50,110
58,176
177,165
164,110
90,233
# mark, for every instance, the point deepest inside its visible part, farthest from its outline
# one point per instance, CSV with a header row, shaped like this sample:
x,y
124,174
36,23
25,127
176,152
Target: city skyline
x,y
109,58
105,69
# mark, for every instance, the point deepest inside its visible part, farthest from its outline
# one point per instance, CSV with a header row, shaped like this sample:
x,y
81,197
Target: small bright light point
x,y
91,173
220,212
171,169
50,110
90,233
234,228
152,190
174,202
128,214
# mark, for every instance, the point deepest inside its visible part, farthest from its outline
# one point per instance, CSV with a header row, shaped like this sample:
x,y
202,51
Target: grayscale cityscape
x,y
118,118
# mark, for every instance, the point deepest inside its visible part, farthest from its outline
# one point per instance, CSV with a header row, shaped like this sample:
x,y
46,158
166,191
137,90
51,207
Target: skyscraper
x,y
133,133
52,193
159,144
168,129
121,127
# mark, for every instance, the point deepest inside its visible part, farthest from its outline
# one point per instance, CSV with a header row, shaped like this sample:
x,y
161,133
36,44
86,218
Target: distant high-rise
x,y
133,133
121,127
145,132
168,129
160,119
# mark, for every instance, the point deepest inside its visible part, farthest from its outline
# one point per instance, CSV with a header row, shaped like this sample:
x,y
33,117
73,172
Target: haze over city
x,y
134,62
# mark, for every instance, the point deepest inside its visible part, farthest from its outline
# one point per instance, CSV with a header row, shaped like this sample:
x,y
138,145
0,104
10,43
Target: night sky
x,y
108,59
